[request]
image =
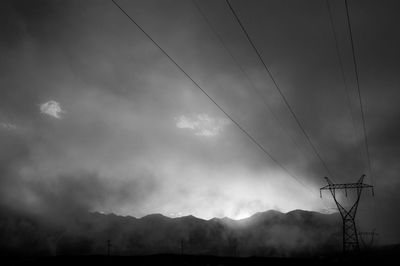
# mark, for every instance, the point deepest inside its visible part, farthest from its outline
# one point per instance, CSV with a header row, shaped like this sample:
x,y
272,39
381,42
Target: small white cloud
x,y
51,108
202,124
8,126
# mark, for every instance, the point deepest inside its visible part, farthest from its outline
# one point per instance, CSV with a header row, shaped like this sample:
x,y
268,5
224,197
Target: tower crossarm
x,y
346,186
367,234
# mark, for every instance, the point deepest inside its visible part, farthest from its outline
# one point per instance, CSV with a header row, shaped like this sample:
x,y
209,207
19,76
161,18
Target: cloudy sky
x,y
94,117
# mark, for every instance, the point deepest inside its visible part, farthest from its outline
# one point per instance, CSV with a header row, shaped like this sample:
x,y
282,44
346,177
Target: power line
x,y
253,86
340,63
210,98
360,101
358,90
278,89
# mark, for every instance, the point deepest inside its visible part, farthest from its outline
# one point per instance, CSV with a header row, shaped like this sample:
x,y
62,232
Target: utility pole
x,y
109,247
350,236
234,246
182,246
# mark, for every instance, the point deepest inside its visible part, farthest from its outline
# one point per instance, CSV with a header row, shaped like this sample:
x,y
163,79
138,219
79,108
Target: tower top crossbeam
x,y
345,186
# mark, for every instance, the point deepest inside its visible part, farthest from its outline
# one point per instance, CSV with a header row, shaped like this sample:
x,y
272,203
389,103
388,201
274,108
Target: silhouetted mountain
x,y
271,233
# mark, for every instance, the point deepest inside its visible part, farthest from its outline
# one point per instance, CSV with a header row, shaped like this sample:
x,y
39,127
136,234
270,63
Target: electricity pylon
x,y
350,236
371,235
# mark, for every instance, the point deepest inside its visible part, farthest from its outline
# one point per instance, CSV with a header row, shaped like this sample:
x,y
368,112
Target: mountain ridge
x,y
214,218
269,233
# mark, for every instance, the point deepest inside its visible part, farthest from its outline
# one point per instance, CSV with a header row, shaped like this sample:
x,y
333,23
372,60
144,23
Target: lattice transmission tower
x,y
350,235
367,238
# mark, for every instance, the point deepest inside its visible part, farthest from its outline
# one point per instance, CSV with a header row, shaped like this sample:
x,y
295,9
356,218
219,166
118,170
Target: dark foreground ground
x,y
378,258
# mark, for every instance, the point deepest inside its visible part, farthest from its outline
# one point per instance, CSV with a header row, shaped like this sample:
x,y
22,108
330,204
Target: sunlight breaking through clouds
x,y
202,124
52,108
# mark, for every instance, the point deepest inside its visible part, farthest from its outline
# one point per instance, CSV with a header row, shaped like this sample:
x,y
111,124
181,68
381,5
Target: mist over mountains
x,y
270,233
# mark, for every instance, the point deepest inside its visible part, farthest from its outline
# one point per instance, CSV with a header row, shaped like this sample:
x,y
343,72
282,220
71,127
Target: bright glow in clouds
x,y
8,126
51,108
202,124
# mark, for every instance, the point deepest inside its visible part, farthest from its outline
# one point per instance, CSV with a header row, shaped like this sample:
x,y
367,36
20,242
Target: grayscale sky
x,y
94,117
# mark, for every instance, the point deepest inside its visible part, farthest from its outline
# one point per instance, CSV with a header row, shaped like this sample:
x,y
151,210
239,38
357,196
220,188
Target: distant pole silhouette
x,y
350,236
233,246
109,247
182,246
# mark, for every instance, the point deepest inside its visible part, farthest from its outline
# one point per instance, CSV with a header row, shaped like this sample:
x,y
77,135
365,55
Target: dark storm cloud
x,y
119,146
